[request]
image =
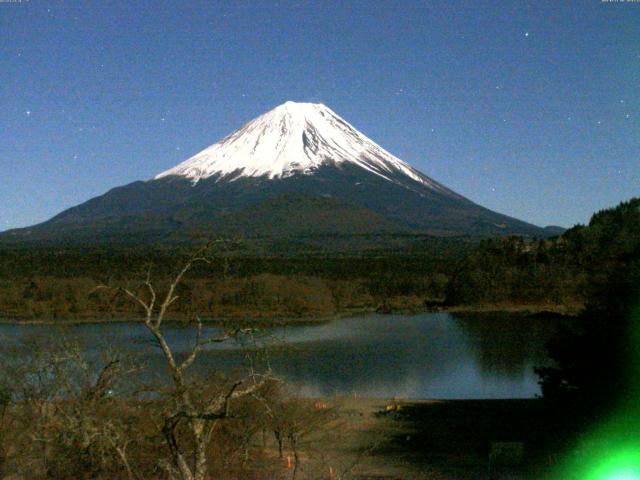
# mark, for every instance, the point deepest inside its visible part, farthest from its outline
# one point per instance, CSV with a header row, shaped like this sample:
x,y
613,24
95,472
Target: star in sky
x,y
526,34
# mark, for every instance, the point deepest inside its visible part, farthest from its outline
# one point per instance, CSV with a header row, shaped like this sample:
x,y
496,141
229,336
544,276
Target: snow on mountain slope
x,y
295,138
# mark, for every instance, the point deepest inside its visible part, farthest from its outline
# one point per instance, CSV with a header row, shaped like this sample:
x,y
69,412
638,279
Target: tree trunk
x,y
276,434
183,467
200,450
294,447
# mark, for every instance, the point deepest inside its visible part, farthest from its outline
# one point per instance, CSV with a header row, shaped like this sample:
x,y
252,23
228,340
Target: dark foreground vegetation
x,y
90,433
595,381
66,416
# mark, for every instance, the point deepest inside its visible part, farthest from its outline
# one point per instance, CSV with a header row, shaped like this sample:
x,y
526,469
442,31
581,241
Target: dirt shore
x,y
433,439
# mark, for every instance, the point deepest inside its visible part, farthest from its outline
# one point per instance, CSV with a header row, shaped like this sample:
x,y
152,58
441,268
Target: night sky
x,y
528,108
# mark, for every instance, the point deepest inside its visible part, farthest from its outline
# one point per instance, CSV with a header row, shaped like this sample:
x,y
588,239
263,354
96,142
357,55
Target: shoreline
x,y
270,320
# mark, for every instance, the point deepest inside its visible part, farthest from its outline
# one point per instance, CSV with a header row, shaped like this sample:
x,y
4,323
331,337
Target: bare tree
x,y
189,410
65,422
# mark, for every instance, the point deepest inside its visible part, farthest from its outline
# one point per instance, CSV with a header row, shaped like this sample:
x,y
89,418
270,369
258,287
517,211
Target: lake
x,y
431,355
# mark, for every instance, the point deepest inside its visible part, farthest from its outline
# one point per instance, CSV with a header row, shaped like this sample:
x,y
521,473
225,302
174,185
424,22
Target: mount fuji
x,y
298,170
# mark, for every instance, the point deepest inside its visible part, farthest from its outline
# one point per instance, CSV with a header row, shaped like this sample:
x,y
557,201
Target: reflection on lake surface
x,y
434,355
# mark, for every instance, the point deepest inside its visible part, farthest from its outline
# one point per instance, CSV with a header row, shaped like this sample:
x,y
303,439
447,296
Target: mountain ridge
x,y
244,183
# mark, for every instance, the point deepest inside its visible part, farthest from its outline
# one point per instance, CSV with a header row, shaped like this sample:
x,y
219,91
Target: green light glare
x,y
624,465
623,476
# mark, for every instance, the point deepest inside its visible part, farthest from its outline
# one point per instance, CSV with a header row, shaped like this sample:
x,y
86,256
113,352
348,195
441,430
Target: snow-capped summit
x,y
293,138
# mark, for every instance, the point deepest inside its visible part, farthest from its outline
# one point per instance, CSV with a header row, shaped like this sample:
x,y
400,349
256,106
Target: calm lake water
x,y
434,355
